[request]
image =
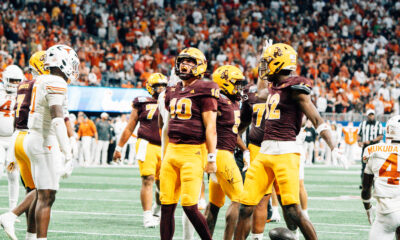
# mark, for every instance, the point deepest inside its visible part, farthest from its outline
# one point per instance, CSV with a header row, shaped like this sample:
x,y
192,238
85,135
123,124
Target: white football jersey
x,y
7,103
382,162
47,91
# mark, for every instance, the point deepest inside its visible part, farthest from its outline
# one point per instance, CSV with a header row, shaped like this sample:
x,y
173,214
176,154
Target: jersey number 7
x,y
393,175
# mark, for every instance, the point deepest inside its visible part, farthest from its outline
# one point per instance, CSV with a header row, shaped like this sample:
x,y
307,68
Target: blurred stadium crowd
x,y
349,48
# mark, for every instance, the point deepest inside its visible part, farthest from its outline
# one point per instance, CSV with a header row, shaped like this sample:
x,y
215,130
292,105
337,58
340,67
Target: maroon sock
x,y
167,224
198,220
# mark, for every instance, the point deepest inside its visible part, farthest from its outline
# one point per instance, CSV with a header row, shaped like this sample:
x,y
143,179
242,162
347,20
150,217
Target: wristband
x,y
366,200
322,127
211,157
118,149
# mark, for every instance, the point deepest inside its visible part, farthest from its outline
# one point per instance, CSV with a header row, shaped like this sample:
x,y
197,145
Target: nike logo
x,y
49,147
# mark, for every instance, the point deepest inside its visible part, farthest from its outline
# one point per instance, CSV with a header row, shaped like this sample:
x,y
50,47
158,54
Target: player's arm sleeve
x,y
209,104
245,116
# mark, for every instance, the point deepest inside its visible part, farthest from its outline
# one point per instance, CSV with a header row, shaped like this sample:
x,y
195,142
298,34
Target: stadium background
x,y
350,49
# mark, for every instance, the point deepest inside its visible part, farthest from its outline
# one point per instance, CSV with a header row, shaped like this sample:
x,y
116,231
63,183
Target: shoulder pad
x,y
55,85
301,88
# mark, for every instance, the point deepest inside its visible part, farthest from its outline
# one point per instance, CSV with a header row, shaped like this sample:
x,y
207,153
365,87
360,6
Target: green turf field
x,y
104,203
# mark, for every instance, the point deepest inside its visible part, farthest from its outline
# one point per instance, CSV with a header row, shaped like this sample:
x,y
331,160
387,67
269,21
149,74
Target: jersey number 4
x,y
392,175
6,108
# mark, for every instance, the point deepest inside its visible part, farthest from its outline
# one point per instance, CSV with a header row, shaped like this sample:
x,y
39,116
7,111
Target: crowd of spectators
x,y
350,49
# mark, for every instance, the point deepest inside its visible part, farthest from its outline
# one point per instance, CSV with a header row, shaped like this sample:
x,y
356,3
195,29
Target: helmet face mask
x,y
156,83
183,68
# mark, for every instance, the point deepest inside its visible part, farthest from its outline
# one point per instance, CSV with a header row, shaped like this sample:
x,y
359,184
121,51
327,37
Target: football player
x,y
148,145
24,91
253,115
192,106
287,100
48,132
229,182
381,171
12,76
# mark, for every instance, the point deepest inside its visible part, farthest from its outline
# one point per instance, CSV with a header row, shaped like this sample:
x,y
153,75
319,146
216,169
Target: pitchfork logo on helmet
x,y
276,58
64,58
155,81
36,63
12,76
393,128
230,80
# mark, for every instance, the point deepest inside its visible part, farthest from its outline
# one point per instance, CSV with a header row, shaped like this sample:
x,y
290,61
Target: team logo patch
x,y
277,52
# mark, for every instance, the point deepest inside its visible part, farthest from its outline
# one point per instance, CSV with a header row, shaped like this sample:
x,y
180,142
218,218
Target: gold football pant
x,y
262,173
182,173
152,163
229,180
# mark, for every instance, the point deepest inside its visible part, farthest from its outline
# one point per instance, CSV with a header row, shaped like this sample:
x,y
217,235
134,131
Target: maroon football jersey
x,y
283,114
228,121
253,109
24,93
186,105
148,117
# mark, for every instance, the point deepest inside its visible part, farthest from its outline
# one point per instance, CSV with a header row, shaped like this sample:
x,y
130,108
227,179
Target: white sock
x,y
305,213
257,236
42,239
296,233
188,229
30,236
147,215
13,188
275,210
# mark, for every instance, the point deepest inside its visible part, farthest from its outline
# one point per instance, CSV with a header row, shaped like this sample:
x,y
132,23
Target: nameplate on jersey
x,y
382,148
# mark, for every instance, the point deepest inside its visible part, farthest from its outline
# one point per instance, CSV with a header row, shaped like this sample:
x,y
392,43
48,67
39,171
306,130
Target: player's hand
x,y
246,160
267,43
360,144
117,156
68,166
211,166
371,214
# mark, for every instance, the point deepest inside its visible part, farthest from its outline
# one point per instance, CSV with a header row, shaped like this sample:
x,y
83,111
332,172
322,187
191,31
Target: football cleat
x,y
7,223
151,223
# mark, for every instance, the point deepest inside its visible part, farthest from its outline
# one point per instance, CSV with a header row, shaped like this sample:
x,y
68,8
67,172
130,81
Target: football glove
x,y
246,160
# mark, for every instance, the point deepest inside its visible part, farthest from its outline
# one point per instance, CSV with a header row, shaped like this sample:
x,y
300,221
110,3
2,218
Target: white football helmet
x,y
12,76
65,58
393,128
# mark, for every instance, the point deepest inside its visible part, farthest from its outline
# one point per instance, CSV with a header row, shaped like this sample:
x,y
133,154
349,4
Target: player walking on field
x,y
148,146
192,106
287,99
381,171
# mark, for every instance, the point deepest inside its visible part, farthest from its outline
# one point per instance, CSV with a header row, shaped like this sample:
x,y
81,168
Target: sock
x,y
305,213
13,188
30,236
257,236
188,229
42,239
167,224
198,220
296,233
275,210
147,216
